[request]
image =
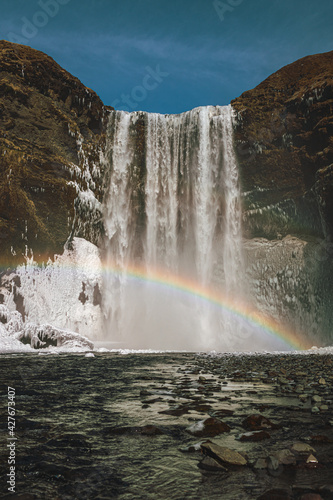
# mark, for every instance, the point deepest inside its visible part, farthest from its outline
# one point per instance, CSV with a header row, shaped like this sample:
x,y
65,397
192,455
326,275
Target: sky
x,y
174,55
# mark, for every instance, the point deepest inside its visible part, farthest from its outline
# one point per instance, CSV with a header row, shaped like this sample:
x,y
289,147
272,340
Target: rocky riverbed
x,y
170,426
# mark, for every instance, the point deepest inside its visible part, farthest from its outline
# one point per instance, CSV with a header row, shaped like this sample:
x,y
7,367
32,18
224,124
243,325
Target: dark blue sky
x,y
173,55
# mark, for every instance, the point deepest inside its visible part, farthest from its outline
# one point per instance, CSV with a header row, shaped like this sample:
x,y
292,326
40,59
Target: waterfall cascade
x,y
172,216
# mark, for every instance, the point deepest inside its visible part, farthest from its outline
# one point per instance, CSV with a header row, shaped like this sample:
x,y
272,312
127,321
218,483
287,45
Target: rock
x,y
208,428
311,460
285,457
275,494
261,463
210,464
327,489
254,436
271,131
89,355
258,422
311,496
302,448
177,411
40,153
323,408
303,397
315,409
223,454
273,462
320,439
221,413
150,430
316,398
322,381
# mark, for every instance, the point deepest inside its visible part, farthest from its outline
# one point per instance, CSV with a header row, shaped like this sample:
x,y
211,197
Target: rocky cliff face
x,y
284,143
52,132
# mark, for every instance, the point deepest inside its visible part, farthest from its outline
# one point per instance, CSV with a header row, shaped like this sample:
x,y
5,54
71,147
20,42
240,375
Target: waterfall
x,y
172,214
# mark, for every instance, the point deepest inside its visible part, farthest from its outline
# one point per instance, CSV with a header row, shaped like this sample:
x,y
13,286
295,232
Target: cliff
x,y
284,144
52,132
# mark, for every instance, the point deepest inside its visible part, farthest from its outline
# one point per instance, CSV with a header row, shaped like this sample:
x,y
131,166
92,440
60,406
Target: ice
x,y
52,292
17,336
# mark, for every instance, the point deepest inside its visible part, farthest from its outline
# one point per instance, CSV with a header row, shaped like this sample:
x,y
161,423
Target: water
x,y
172,214
81,424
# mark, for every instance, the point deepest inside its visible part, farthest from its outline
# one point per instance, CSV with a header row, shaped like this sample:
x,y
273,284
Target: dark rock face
x,y
52,129
284,144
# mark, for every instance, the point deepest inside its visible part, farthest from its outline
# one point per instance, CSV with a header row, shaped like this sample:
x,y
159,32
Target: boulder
x,y
223,454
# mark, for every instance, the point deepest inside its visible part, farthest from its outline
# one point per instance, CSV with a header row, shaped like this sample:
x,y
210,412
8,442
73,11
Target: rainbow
x,y
192,288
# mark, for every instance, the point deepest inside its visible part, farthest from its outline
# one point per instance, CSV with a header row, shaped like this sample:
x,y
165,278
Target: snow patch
x,y
65,293
17,336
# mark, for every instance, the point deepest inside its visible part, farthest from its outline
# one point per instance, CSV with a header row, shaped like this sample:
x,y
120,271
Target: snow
x,y
17,336
88,198
55,316
51,292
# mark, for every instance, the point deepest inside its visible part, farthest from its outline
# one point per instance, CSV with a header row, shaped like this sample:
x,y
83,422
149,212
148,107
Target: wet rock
x,y
300,491
221,413
144,392
254,436
285,457
150,430
258,422
261,463
275,494
303,397
223,454
320,439
208,428
177,411
210,464
302,448
200,407
273,463
311,496
326,490
311,460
